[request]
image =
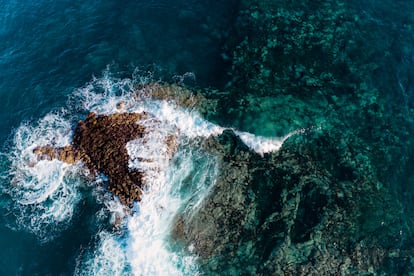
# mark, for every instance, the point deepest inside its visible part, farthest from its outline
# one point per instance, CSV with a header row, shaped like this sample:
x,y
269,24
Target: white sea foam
x,y
182,183
261,144
189,122
152,151
172,186
108,259
44,192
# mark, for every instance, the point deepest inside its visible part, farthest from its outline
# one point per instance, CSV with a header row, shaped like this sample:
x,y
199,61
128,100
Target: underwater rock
x,y
181,96
337,199
291,213
100,142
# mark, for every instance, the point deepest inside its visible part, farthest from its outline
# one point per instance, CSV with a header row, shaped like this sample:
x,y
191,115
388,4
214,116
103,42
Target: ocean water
x,y
337,143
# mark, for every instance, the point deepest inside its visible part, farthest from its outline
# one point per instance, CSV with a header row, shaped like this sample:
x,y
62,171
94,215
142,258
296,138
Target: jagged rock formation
x,y
100,142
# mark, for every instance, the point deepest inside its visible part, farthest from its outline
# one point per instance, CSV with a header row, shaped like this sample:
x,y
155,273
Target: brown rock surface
x,y
100,142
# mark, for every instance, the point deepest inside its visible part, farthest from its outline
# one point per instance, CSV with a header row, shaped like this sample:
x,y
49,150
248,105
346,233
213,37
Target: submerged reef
x,y
338,197
332,64
307,207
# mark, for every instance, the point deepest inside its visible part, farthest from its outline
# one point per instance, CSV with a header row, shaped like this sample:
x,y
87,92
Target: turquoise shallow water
x,y
336,76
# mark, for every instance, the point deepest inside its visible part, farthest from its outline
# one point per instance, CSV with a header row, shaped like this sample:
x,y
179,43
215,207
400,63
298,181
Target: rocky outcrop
x,y
100,142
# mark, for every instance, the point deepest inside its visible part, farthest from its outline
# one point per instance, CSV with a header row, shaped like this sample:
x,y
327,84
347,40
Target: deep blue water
x,y
49,48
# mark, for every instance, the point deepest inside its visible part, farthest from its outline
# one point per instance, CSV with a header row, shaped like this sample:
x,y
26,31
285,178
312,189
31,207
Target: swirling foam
x,y
109,258
183,186
44,192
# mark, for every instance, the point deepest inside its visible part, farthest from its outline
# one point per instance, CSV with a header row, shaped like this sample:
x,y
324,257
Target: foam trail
x,y
179,185
168,189
190,123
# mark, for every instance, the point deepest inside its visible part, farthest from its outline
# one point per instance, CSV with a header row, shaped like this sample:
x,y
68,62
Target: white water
x,y
45,192
175,182
170,183
149,228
